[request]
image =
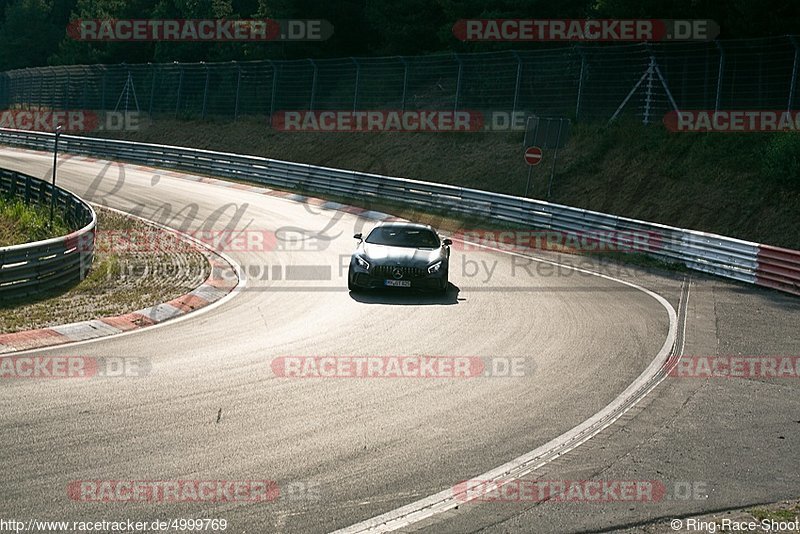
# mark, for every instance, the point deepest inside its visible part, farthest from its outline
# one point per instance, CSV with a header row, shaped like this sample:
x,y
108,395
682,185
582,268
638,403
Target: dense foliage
x,y
33,32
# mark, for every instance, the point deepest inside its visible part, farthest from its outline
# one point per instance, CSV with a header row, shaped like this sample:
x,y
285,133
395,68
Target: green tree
x,y
74,52
29,33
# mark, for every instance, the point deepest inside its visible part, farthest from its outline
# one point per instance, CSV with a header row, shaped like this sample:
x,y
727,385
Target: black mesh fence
x,y
583,81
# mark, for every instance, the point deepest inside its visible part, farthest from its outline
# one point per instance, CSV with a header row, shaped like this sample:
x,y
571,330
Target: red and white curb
x,y
224,278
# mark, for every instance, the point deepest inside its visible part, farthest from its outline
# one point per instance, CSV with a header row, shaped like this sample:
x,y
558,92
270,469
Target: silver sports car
x,y
400,254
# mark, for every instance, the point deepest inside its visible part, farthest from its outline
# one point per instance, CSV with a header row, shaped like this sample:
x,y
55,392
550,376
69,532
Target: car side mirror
x,y
358,236
447,242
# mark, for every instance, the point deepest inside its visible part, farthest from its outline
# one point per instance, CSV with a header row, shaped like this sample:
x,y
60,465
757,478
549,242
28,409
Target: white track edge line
x,y
444,500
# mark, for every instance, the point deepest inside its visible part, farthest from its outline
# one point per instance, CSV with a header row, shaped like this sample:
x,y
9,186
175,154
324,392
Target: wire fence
x,y
584,81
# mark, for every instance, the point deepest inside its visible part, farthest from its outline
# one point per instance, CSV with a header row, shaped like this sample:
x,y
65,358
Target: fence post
x,y
705,80
238,84
648,98
358,75
580,81
85,84
274,88
313,84
153,74
458,81
40,98
516,84
4,91
180,86
793,84
405,82
28,77
719,75
66,97
683,84
102,89
760,80
205,91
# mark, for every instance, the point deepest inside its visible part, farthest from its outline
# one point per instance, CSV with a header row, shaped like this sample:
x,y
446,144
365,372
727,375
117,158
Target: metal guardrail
x,y
736,259
33,268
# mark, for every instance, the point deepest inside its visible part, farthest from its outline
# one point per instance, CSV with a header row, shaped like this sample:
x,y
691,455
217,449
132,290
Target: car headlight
x,y
362,262
435,267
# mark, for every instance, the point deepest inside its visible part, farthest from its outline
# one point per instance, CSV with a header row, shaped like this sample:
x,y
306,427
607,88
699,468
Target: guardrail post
x,y
355,91
793,83
516,85
458,80
238,84
205,91
720,74
313,84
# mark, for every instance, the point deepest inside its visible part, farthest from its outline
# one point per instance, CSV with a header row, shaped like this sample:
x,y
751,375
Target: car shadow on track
x,y
399,297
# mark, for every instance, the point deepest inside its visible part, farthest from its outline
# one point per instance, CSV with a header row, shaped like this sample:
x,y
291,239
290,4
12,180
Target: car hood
x,y
414,257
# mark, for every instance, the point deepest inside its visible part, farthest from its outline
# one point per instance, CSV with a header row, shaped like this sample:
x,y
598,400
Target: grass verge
x,y
23,223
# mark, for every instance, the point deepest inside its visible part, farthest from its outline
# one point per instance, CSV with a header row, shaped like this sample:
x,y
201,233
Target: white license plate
x,y
398,283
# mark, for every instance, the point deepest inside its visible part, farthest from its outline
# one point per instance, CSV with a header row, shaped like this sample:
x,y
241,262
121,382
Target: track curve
x,y
369,446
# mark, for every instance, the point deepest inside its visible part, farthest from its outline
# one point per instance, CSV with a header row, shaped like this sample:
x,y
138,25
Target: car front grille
x,y
388,272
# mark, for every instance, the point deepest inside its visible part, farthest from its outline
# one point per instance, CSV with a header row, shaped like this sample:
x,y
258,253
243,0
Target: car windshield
x,y
403,237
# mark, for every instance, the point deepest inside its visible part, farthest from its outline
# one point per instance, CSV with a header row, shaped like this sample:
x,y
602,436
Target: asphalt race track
x,y
341,450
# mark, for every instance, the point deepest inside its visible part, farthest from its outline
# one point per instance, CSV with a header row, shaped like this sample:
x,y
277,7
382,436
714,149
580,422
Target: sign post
x,y
533,156
55,162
